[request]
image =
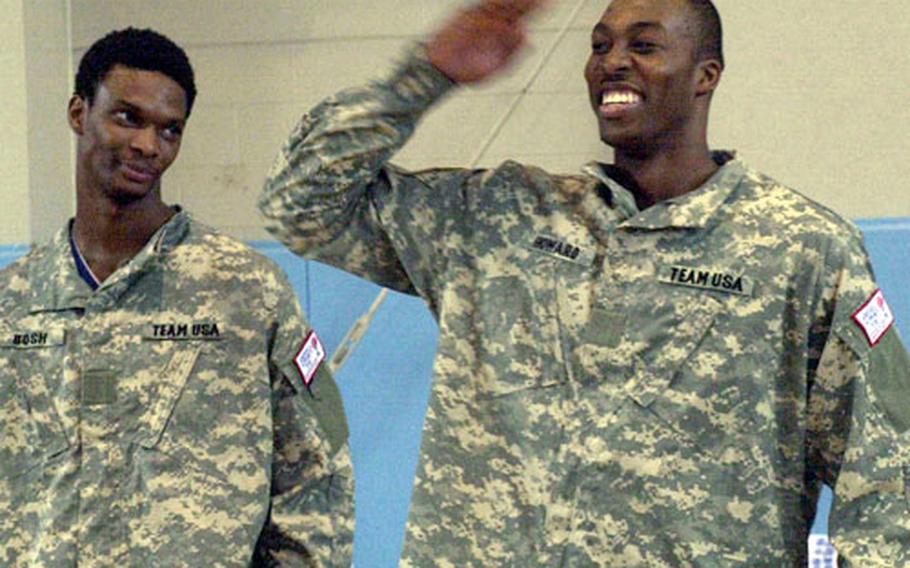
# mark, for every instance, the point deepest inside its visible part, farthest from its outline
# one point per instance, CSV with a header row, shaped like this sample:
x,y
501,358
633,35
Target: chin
x,y
629,143
616,140
127,194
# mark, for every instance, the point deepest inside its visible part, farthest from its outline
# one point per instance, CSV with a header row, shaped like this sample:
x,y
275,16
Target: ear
x,y
708,76
76,113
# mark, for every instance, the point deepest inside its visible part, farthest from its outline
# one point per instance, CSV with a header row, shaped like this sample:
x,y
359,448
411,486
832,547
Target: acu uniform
x,y
164,419
614,387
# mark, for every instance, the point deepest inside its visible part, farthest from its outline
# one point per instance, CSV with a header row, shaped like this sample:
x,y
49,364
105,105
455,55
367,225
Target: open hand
x,y
481,40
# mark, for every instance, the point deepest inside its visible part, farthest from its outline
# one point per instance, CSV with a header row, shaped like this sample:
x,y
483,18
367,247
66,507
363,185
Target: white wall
x,y
14,125
814,92
35,153
48,58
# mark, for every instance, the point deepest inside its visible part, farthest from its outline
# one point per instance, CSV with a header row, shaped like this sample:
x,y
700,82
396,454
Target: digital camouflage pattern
x,y
160,421
613,387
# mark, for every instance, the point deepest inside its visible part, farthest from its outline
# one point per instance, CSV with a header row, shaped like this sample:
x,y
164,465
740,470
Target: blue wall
x,y
386,382
10,253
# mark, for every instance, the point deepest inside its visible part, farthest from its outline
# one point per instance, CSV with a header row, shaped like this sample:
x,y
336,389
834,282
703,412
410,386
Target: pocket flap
x,y
665,341
173,381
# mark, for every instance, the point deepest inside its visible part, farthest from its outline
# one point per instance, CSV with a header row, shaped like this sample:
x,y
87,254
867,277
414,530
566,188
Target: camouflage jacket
x,y
161,420
614,387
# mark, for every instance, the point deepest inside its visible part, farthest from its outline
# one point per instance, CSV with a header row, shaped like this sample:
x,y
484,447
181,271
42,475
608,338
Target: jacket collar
x,y
694,210
56,284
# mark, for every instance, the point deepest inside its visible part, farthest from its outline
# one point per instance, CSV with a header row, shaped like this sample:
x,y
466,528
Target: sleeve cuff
x,y
416,80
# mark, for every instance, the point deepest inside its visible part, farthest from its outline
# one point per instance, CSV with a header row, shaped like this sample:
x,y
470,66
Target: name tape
x,y
31,339
182,331
706,279
561,249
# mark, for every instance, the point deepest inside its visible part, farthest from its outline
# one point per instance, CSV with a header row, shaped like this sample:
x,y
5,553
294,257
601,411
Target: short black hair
x,y
710,32
143,49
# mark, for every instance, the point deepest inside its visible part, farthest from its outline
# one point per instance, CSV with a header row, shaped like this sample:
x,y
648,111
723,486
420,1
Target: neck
x,y
667,174
109,234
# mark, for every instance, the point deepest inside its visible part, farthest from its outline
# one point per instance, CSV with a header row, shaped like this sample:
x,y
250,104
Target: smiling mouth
x,y
614,104
138,174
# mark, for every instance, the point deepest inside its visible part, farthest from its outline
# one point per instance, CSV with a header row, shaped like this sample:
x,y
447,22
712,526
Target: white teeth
x,y
620,97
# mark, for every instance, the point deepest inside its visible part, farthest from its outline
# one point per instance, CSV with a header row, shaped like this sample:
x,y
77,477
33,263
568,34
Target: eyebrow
x,y
123,103
636,27
127,104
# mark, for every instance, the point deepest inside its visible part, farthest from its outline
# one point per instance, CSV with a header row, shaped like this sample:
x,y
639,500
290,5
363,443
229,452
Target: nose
x,y
145,141
616,61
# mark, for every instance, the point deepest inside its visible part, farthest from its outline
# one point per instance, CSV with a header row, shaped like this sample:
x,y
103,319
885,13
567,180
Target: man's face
x,y
642,73
130,133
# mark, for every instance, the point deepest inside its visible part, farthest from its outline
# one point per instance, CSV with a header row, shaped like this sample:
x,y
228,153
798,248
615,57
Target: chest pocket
x,y
678,378
205,395
168,366
192,431
172,378
517,319
31,372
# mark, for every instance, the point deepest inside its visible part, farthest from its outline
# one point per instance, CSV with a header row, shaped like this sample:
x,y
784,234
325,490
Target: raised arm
x,y
332,195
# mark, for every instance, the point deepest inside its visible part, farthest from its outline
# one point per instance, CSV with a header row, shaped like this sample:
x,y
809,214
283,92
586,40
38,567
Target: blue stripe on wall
x,y
888,243
386,382
9,253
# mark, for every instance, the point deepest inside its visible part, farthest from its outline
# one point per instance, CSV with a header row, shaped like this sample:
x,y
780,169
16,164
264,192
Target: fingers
x,y
510,10
481,40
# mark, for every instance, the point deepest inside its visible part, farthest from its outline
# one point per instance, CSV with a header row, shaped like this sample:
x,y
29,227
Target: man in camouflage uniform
x,y
656,362
161,398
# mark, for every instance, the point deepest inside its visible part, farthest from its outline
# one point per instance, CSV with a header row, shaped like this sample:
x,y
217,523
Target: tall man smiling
x,y
162,401
638,365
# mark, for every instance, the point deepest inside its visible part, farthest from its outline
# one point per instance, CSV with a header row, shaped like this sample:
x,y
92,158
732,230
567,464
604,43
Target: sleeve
x,y
859,425
332,196
311,518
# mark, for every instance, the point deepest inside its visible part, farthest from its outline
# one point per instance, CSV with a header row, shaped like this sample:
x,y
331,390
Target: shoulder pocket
x,y
889,377
886,363
323,399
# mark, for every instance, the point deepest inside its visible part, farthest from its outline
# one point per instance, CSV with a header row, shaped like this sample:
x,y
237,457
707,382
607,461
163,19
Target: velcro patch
x,y
99,387
875,317
309,358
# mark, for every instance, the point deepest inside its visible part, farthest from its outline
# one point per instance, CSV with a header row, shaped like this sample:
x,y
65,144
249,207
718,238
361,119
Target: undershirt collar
x,y
82,266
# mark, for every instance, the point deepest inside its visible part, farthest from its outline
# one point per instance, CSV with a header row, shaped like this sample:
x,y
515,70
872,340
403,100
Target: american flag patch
x,y
875,318
309,358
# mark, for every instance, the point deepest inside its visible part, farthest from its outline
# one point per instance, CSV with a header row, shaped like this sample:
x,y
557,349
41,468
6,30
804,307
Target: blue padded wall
x,y
385,385
10,253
